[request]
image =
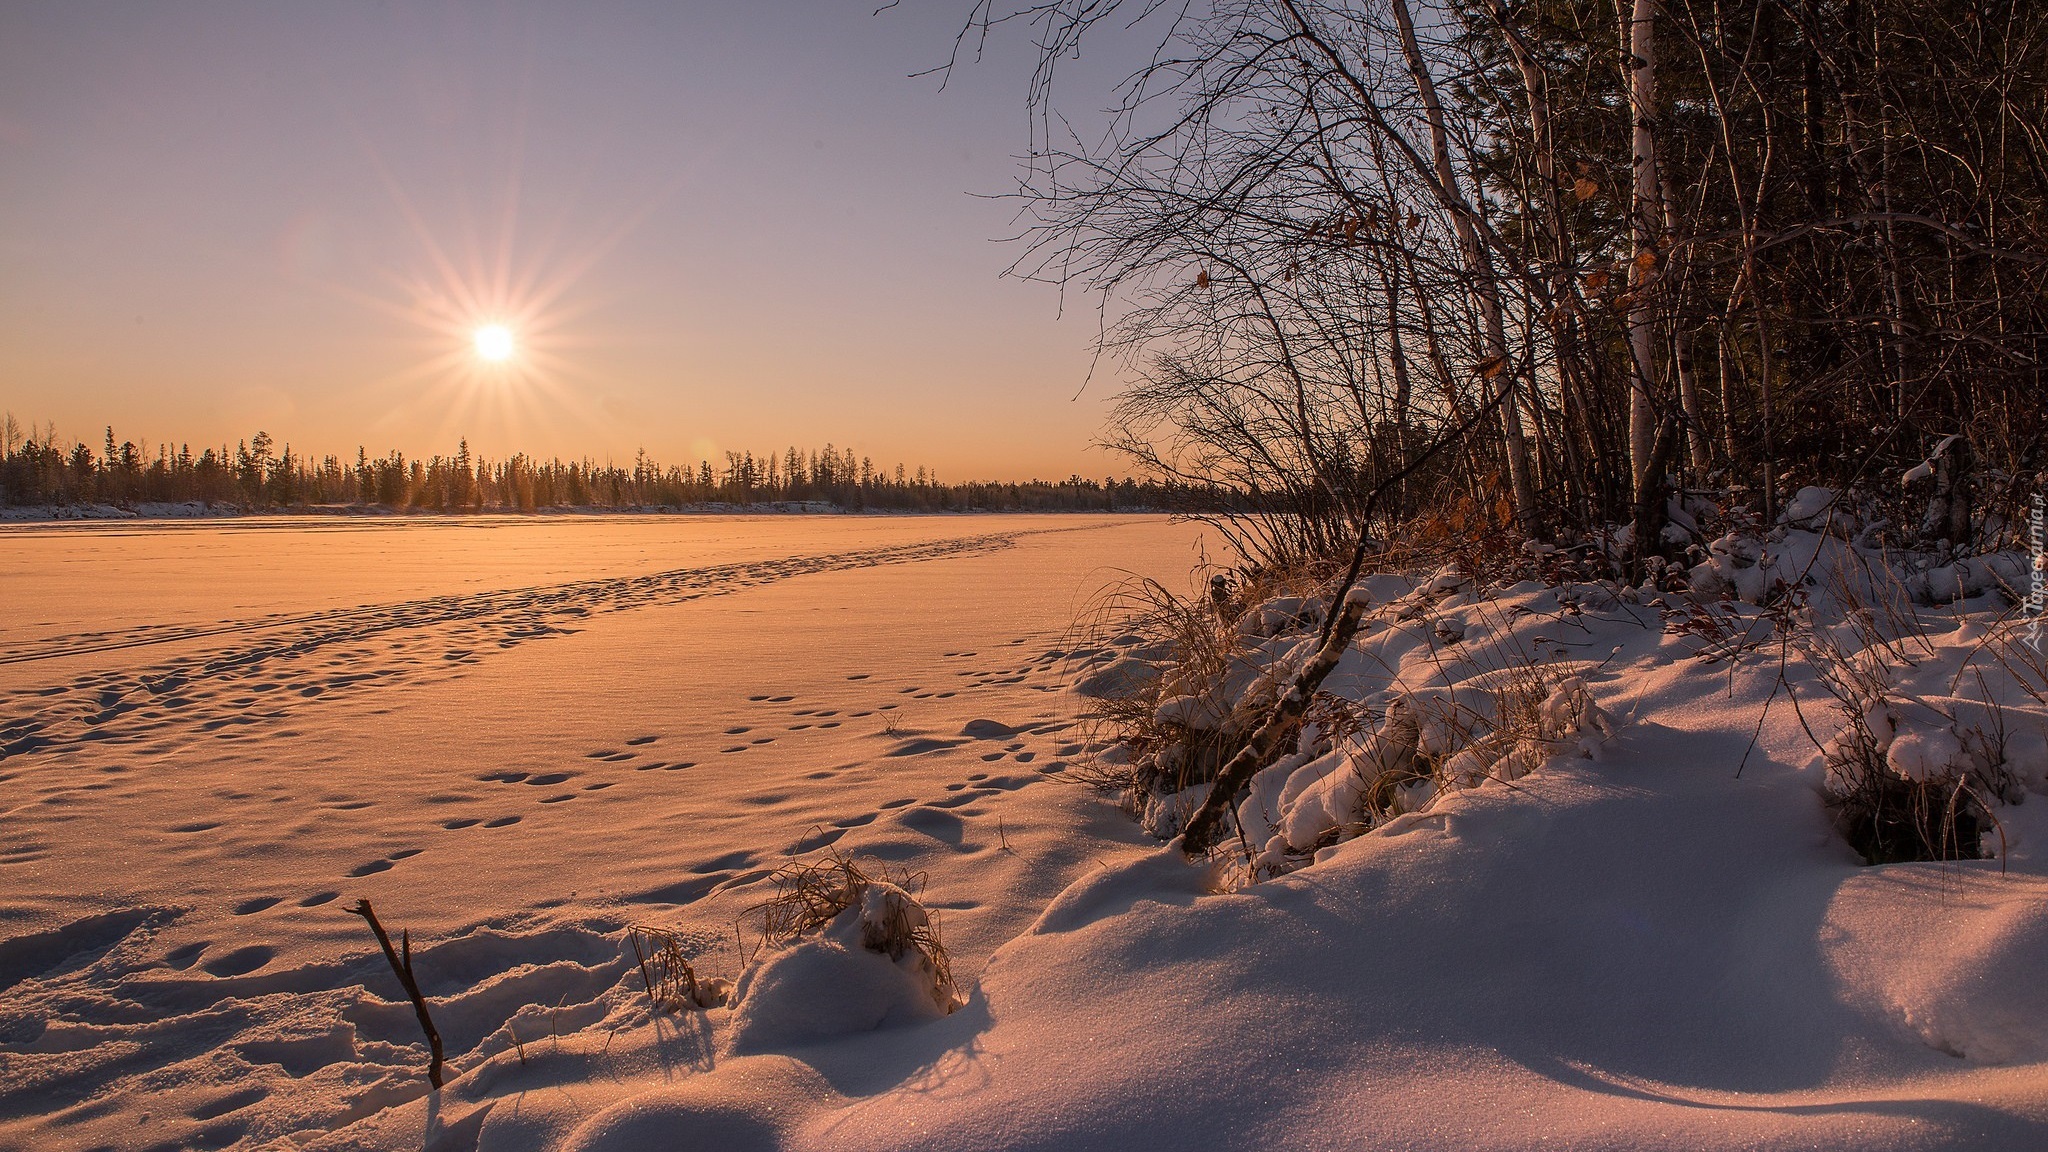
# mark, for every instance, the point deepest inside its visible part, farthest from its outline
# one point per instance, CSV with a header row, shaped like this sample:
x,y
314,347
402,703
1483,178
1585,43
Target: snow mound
x,y
1963,975
1972,576
821,988
1120,676
865,970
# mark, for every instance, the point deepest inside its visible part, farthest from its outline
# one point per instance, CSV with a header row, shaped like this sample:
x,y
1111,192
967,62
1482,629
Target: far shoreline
x,y
46,515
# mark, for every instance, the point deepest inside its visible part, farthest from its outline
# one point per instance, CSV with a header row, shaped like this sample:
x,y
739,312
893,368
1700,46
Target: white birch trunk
x,y
1641,67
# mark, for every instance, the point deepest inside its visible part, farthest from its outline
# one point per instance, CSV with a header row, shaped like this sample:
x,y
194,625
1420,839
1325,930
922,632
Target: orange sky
x,y
710,227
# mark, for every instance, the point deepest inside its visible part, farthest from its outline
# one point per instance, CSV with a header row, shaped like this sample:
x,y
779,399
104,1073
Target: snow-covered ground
x,y
1654,939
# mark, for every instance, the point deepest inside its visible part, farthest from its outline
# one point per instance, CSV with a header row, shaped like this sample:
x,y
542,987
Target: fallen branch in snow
x,y
1202,828
401,966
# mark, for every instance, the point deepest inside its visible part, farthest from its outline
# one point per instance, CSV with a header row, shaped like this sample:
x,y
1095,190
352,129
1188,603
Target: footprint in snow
x,y
725,863
240,962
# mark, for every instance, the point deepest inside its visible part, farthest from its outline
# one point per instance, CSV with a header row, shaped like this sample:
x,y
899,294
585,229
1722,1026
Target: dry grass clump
x,y
1888,819
2016,647
1221,659
1198,651
666,973
811,895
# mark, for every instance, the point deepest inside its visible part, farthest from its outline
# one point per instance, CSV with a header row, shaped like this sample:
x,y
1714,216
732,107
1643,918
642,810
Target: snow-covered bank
x,y
187,510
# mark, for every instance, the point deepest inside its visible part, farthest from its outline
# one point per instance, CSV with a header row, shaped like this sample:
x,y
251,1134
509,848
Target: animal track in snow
x,y
255,671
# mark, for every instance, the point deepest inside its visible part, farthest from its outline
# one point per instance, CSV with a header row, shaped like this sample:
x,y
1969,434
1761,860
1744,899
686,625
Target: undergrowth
x,y
1907,777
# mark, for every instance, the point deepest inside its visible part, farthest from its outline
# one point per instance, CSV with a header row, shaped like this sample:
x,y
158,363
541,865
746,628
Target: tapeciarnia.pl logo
x,y
2037,591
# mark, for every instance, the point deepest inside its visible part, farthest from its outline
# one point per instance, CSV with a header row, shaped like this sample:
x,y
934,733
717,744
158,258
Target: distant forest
x,y
38,469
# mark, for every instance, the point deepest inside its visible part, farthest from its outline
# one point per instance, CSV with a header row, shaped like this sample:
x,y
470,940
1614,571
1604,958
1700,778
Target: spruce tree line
x,y
36,468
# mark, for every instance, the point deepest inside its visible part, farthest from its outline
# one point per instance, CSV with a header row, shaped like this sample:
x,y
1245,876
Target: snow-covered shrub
x,y
1824,510
1735,569
1424,747
1163,814
1901,797
1529,729
1900,781
1277,614
1340,795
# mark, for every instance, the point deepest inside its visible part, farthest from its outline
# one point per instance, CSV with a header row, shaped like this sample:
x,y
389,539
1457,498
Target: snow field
x,y
185,825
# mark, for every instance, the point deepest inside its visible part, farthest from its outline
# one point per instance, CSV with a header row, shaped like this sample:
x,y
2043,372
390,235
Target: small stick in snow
x,y
401,966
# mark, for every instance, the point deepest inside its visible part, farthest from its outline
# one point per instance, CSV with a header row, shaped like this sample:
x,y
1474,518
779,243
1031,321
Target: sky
x,y
709,226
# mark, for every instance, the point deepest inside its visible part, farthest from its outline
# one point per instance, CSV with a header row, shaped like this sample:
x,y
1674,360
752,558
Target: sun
x,y
494,342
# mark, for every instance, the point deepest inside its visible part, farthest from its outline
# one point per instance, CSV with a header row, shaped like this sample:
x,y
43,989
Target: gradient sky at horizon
x,y
712,226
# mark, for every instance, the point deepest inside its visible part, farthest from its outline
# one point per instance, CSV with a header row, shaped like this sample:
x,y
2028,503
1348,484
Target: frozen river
x,y
515,736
